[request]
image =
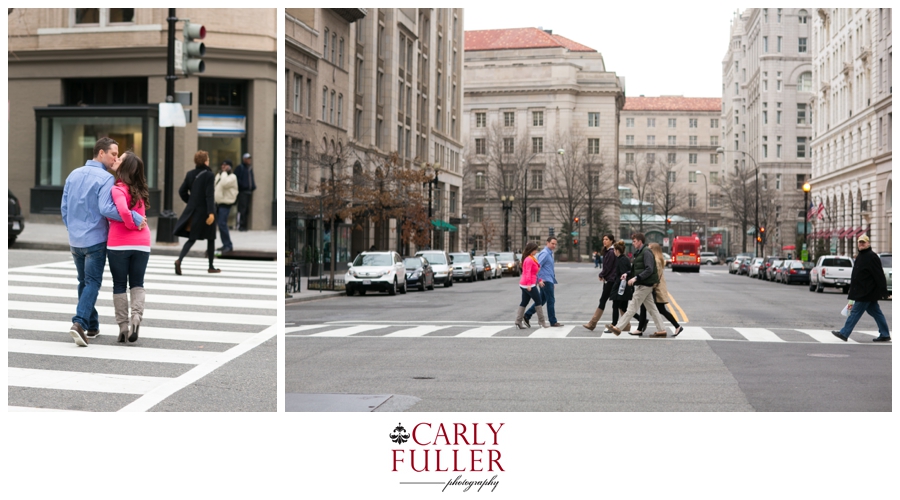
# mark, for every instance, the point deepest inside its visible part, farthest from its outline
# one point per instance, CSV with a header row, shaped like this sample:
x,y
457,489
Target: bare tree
x,y
739,197
572,170
641,178
598,193
488,231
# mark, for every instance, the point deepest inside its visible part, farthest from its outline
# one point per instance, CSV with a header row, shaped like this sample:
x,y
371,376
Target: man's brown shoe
x,y
557,324
78,335
213,270
612,328
92,334
658,334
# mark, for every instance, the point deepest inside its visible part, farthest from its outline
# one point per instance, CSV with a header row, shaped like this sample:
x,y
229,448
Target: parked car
x,y
509,263
780,270
463,266
496,272
755,266
668,259
744,268
795,271
767,263
832,271
378,271
735,265
440,264
886,264
16,220
770,271
482,267
709,258
419,273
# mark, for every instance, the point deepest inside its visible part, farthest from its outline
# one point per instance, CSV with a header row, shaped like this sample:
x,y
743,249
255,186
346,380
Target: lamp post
x,y
507,202
756,234
466,221
803,249
431,184
706,222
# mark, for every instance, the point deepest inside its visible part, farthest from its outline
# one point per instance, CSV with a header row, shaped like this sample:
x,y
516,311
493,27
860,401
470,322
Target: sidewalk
x,y
304,295
42,236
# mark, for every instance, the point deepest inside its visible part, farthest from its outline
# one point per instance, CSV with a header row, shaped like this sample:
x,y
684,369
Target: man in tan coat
x,y
226,194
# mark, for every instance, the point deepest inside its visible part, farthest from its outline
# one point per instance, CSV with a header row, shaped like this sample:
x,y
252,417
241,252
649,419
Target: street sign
x,y
179,56
665,242
574,233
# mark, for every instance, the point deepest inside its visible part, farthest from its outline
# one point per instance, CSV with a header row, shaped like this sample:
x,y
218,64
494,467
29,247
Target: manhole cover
x,y
423,378
829,355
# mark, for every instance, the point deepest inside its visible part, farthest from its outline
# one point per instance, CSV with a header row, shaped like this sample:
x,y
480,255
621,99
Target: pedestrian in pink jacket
x,y
128,246
529,284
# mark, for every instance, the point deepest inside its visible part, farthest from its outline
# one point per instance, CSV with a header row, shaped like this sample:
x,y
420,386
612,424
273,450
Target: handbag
x,y
627,295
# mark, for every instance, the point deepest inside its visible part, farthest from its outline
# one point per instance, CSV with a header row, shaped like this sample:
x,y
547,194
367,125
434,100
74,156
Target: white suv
x,y
380,271
709,258
440,263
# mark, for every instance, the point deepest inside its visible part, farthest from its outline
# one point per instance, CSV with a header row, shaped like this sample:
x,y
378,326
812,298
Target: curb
x,y
311,296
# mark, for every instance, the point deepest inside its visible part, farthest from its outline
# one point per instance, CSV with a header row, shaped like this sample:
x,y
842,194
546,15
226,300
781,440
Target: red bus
x,y
686,254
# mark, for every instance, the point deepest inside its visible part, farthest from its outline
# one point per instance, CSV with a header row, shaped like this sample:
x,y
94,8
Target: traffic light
x,y
668,221
193,50
576,242
762,230
576,220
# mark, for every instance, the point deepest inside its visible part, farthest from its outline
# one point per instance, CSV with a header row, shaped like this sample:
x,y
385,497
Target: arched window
x,y
804,83
803,16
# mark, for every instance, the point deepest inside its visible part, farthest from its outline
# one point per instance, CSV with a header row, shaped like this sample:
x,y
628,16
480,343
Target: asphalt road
x,y
748,346
203,346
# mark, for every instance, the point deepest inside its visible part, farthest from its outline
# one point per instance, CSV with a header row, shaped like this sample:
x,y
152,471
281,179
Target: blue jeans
x,y
127,267
222,212
859,307
89,262
534,295
548,299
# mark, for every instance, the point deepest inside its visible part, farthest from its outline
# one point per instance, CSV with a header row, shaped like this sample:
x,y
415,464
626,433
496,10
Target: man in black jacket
x,y
867,285
643,277
246,186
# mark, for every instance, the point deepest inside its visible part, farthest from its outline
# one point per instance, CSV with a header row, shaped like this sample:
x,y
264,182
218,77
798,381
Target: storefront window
x,y
221,149
68,142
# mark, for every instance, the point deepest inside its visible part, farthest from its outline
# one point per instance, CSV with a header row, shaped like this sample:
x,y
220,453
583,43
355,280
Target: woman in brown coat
x,y
196,222
660,294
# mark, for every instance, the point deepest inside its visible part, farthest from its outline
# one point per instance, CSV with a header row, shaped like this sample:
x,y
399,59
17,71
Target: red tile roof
x,y
673,103
519,38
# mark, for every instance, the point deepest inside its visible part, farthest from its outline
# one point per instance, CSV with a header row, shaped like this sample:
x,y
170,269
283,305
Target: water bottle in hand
x,y
622,287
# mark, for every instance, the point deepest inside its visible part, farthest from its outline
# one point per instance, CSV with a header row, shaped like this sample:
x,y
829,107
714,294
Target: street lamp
x,y
466,221
705,231
756,234
431,184
507,202
806,189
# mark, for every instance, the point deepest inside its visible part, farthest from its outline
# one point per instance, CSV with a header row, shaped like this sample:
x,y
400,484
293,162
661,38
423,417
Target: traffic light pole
x,y
167,218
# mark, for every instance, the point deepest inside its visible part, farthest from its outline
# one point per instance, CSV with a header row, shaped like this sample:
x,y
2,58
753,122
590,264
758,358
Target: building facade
x,y
396,81
667,153
766,125
76,75
851,146
541,128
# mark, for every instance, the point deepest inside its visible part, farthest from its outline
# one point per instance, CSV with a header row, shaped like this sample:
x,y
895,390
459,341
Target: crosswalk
x,y
504,330
192,325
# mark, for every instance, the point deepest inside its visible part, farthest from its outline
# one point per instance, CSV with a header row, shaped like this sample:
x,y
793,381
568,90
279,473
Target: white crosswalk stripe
x,y
504,330
192,324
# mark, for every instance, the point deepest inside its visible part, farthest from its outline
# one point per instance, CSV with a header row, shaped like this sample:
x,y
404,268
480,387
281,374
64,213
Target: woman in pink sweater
x,y
128,246
529,284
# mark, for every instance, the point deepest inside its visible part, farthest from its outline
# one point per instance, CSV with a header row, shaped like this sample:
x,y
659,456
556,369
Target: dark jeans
x,y
607,291
243,211
222,212
532,295
874,310
548,299
89,262
127,267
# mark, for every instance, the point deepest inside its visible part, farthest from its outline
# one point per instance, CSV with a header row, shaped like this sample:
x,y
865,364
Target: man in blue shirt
x,y
546,273
86,204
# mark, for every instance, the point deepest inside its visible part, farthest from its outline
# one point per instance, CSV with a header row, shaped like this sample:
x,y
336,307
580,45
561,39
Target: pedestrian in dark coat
x,y
197,220
868,285
620,302
607,277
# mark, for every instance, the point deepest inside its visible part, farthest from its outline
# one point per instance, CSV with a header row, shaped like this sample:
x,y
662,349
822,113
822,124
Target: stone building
x,y
673,138
76,75
766,126
851,145
396,80
541,128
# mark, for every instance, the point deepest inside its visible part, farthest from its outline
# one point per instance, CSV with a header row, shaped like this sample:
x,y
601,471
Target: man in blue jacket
x,y
546,273
246,186
86,205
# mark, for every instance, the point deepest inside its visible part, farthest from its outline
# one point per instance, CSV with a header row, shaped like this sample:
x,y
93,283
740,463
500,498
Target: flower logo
x,y
399,434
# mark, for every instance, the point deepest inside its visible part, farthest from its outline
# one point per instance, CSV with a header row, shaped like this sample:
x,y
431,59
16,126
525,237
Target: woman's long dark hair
x,y
131,172
529,247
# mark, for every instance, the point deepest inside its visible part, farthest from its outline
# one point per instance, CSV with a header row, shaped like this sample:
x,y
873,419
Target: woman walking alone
x,y
196,222
128,246
660,295
529,284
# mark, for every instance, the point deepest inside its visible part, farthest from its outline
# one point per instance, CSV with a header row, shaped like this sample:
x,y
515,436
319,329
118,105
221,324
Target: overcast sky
x,y
660,49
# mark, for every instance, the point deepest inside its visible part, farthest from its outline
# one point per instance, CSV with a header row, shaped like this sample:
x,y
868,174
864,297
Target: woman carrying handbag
x,y
196,222
529,284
